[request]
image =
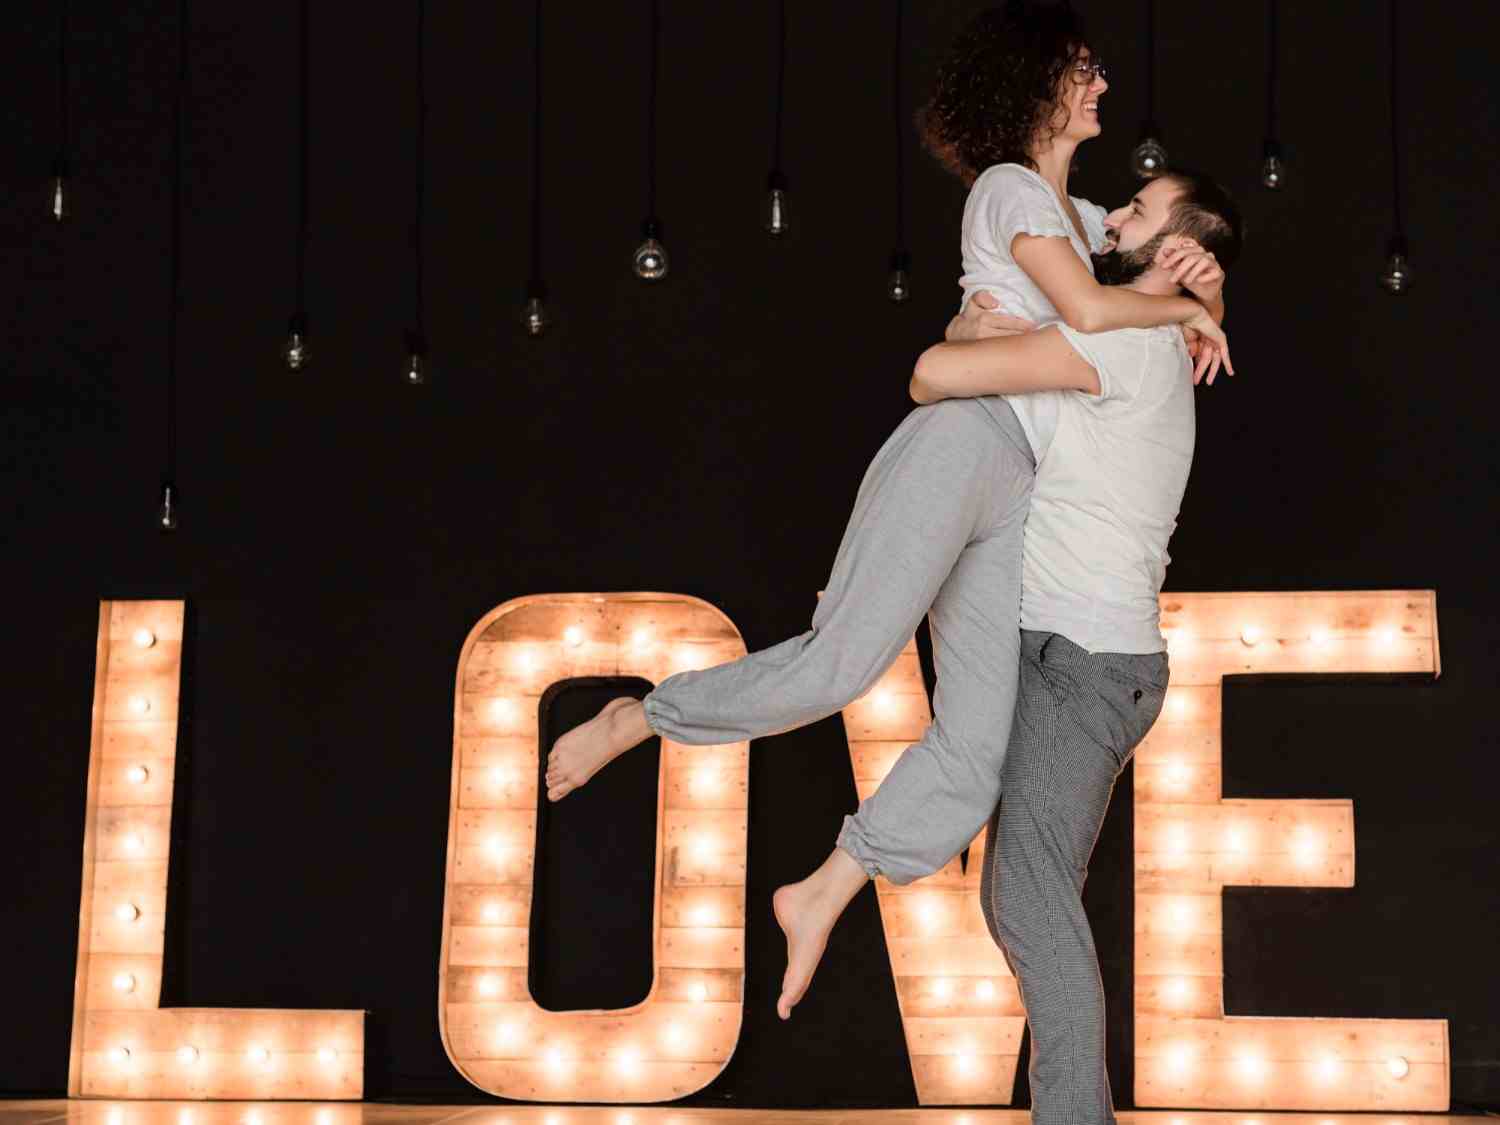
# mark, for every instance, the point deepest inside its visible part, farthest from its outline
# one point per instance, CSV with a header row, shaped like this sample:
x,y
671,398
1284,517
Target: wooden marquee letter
x,y
124,1044
681,1036
960,1007
1190,842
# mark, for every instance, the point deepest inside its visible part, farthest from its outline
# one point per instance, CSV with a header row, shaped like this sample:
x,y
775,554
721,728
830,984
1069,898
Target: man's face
x,y
1134,233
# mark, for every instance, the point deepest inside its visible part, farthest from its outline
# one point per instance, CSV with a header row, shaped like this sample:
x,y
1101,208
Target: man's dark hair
x,y
997,89
1206,213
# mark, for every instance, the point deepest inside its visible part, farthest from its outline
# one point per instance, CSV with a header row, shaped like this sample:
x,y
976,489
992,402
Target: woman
x,y
946,495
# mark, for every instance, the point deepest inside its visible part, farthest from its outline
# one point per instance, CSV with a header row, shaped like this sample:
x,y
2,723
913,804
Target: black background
x,y
341,532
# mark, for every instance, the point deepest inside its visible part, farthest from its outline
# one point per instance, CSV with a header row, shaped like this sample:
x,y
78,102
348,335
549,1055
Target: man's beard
x,y
1121,267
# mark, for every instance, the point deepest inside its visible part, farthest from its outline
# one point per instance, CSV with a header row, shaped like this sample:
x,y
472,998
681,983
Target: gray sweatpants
x,y
937,523
1079,718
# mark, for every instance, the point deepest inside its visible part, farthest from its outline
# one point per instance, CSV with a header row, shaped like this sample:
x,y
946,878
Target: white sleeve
x,y
1101,351
1012,202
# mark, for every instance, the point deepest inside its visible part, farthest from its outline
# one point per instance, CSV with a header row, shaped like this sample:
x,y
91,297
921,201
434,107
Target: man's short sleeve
x,y
1100,350
1014,201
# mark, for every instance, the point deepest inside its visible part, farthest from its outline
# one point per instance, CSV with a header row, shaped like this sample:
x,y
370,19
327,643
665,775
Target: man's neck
x,y
1155,283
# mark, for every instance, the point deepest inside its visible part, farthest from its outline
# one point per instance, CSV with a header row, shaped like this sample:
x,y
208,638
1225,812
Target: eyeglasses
x,y
1084,73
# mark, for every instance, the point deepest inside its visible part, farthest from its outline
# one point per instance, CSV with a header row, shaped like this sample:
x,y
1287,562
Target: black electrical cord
x,y
897,120
651,113
1271,71
780,82
302,151
536,157
416,229
176,240
1395,147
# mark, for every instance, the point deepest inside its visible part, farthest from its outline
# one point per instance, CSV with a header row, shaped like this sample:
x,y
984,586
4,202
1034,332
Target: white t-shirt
x,y
1105,503
1007,200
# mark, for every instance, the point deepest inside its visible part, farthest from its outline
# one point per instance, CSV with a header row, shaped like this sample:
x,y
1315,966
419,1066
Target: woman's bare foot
x,y
587,749
806,912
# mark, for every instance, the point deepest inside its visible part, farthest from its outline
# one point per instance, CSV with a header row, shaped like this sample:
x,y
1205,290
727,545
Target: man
x,y
937,524
1093,663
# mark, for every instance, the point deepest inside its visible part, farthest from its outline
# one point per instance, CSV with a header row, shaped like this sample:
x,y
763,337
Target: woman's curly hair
x,y
996,92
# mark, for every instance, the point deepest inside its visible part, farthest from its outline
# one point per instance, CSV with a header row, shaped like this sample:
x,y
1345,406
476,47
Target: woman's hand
x,y
1195,269
1212,346
981,321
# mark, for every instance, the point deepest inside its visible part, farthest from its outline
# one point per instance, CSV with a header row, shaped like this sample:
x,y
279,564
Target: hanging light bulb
x,y
1396,277
166,513
416,359
1149,158
898,284
650,262
534,315
776,217
60,207
294,353
1272,170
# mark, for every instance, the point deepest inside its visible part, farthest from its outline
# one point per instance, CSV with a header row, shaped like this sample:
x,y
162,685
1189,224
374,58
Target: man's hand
x,y
1195,269
980,320
1212,347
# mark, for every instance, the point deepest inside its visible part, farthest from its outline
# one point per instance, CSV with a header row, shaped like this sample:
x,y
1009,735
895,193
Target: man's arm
x,y
1004,365
1082,302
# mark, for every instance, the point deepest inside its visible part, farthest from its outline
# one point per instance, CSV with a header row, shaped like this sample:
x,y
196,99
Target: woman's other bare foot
x,y
806,913
588,748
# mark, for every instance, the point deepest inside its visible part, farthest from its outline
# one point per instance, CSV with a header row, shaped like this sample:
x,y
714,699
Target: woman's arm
x,y
1004,365
1082,302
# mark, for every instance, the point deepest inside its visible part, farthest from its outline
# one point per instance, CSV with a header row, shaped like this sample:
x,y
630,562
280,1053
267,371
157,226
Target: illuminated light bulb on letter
x,y
127,912
1306,846
139,705
984,991
1182,707
1386,636
327,1056
1178,990
1251,1066
134,842
573,636
525,661
641,638
1237,839
116,1116
1250,635
187,1055
1180,1058
488,985
942,988
624,1119
1398,1066
557,1060
883,700
143,637
965,1062
675,1035
698,992
1328,1068
325,1117
119,1055
703,847
495,845
1179,774
628,1061
499,775
124,982
705,782
507,1034
138,774
502,710
184,1117
1321,636
705,915
491,912
260,1055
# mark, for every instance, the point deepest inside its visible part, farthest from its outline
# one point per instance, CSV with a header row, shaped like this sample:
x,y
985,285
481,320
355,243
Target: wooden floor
x,y
104,1112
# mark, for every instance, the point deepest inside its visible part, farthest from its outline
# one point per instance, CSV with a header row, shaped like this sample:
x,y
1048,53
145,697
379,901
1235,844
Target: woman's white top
x,y
1007,200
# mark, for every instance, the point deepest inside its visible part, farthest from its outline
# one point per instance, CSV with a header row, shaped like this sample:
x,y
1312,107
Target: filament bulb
x,y
166,512
1395,279
898,283
650,261
416,359
1149,158
1272,170
294,351
534,316
776,216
